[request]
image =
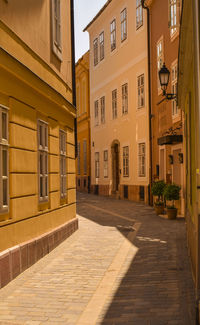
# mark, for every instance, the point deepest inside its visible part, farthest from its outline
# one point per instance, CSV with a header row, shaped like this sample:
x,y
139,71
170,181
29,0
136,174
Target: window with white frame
x,y
4,171
174,90
123,24
63,160
174,6
97,164
78,158
160,59
125,99
141,94
95,48
139,14
114,104
126,161
105,160
102,101
85,157
113,34
56,22
96,113
43,160
101,44
142,159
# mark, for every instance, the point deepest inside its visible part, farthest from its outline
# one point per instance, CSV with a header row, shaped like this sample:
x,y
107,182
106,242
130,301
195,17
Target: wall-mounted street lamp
x,y
164,80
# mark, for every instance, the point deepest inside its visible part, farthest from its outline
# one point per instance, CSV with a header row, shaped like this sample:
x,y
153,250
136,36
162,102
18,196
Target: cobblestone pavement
x,y
124,265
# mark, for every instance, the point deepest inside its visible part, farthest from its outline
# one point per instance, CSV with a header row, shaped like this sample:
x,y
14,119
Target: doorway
x,y
115,166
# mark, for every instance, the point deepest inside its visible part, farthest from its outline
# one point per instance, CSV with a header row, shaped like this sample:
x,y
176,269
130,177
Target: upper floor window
x,y
85,157
123,24
101,44
102,100
84,96
96,112
95,45
56,23
63,160
139,14
142,159
97,164
113,35
160,60
126,161
140,84
114,104
105,167
173,16
79,158
125,98
78,100
4,172
174,90
43,160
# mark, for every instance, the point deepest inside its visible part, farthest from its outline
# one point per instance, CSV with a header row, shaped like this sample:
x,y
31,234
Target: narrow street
x,y
124,265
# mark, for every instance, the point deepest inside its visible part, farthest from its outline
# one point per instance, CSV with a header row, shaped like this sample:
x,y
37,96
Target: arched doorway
x,y
115,148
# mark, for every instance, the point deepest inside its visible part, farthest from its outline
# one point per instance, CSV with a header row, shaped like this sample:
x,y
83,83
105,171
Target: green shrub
x,y
158,189
172,193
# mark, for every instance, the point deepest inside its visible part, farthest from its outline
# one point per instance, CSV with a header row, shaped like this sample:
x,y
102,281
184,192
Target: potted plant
x,y
158,190
172,193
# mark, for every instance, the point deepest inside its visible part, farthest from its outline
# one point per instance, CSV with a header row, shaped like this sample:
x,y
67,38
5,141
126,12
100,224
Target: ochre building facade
x,y
83,163
167,117
119,101
37,151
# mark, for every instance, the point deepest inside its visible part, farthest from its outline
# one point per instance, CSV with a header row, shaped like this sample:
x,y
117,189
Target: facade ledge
x,y
170,139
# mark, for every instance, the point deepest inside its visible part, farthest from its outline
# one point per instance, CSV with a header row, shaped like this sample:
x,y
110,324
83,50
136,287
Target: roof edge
x,y
97,15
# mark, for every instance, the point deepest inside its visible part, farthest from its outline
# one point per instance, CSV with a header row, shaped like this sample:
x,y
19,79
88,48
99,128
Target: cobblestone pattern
x,y
153,287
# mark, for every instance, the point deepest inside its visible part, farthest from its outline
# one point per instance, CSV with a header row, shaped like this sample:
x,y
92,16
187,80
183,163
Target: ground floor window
x,y
63,178
43,160
105,158
97,164
4,172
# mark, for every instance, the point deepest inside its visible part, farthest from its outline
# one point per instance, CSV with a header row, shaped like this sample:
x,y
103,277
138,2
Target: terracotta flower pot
x,y
172,213
159,209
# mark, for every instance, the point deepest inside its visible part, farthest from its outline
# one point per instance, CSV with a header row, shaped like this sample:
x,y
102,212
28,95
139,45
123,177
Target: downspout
x,y
150,108
73,71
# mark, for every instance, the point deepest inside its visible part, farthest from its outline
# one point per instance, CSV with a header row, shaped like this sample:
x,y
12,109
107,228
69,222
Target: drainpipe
x,y
73,71
150,108
196,27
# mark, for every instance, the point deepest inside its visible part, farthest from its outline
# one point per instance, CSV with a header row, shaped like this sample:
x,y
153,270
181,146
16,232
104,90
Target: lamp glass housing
x,y
164,77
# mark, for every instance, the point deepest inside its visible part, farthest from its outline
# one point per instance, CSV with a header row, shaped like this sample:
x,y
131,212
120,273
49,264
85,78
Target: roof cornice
x,y
97,15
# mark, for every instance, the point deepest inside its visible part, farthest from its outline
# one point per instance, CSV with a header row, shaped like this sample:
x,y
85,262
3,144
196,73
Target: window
x,y
102,110
125,161
139,14
113,35
105,160
96,112
174,5
78,158
160,59
85,157
123,25
43,160
63,177
56,27
101,44
114,104
142,159
95,45
4,172
174,90
84,96
140,84
78,100
97,164
125,99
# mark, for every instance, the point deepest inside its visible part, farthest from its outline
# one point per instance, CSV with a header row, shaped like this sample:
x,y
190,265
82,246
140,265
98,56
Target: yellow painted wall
x,y
34,85
83,111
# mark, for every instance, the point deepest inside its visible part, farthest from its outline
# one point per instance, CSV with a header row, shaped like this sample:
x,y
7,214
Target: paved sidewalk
x,y
124,265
